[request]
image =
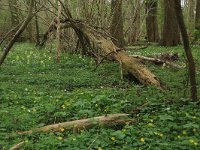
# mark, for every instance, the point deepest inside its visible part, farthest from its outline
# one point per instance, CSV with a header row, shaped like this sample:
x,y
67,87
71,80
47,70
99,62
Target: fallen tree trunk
x,y
110,50
109,120
133,65
157,61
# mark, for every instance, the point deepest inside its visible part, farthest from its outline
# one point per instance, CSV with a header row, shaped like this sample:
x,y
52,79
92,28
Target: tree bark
x,y
18,33
14,12
117,23
58,33
37,37
151,21
171,34
191,63
197,21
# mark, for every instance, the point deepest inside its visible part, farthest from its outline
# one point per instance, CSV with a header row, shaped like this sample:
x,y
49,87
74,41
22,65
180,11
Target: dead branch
x,y
108,120
18,146
157,61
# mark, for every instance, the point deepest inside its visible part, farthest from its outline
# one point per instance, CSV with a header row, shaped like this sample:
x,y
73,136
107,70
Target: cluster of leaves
x,y
35,91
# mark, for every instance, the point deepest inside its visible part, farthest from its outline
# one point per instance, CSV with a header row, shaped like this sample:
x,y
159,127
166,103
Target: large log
x,y
104,42
108,120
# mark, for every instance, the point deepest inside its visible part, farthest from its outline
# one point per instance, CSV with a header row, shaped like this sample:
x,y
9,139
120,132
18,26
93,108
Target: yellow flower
x,y
62,129
194,117
150,124
100,148
23,107
194,130
193,142
184,132
113,138
159,134
60,138
178,136
142,139
63,106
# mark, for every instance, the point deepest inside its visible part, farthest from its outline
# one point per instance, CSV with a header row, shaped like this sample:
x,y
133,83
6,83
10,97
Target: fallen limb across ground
x,y
158,61
17,146
108,120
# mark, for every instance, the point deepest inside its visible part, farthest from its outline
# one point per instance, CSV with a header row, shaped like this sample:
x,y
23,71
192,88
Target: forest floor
x,y
35,91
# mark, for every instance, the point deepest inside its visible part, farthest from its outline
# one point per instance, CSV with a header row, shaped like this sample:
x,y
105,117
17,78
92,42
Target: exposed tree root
x,y
108,120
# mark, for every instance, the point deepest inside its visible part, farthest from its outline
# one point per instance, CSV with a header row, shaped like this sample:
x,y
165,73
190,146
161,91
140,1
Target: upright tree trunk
x,y
192,71
197,22
14,12
37,37
135,22
58,33
151,21
117,23
171,33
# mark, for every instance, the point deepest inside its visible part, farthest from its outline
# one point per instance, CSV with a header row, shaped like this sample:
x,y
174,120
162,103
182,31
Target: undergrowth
x,y
35,91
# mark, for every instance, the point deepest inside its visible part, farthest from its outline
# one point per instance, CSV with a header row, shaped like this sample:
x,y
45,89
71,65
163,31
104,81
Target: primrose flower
x,y
113,138
142,139
194,130
193,142
62,129
60,138
150,124
194,117
184,132
63,106
159,134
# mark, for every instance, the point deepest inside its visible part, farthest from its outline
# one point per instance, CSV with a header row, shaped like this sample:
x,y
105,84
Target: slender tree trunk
x,y
37,37
18,33
135,22
58,33
197,22
14,12
117,23
191,63
151,21
171,33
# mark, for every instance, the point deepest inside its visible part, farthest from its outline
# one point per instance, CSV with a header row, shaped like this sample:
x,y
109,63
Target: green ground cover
x,y
35,91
